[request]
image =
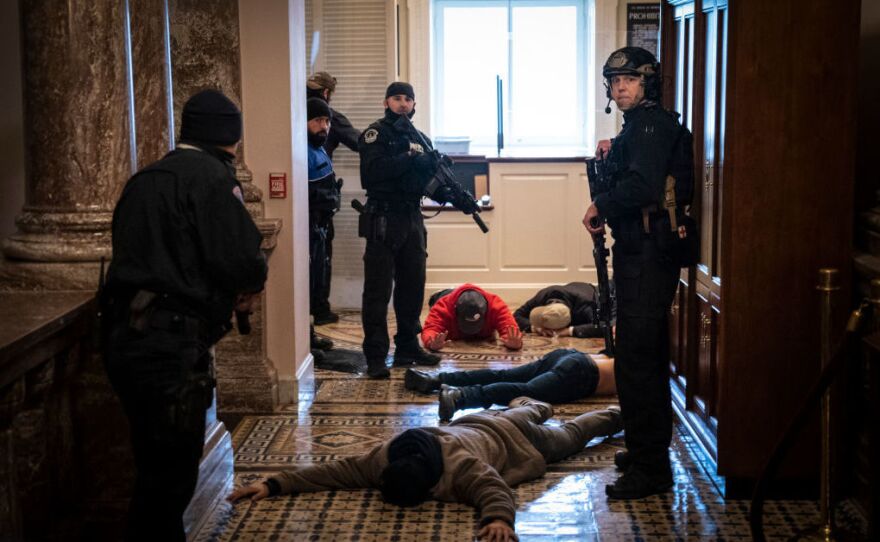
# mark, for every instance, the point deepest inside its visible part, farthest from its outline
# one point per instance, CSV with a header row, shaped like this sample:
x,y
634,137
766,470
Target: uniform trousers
x,y
394,262
646,281
321,235
163,379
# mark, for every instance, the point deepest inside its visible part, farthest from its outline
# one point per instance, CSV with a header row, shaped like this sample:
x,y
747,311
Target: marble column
x,y
151,80
205,53
78,143
97,107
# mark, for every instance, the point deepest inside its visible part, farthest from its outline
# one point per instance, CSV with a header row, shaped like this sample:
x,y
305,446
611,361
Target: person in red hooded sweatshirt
x,y
469,312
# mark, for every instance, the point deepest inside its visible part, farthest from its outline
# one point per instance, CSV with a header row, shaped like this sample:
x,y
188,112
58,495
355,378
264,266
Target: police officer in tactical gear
x,y
646,278
394,172
324,201
185,254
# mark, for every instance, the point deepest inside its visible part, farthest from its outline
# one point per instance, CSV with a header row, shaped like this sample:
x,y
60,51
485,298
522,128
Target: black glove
x,y
425,163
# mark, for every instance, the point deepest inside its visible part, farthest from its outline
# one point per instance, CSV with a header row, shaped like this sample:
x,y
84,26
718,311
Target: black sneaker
x,y
377,369
622,460
328,317
420,381
321,343
417,356
636,484
450,400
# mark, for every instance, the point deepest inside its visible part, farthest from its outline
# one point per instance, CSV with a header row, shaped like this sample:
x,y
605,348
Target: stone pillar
x,y
151,80
205,54
77,136
97,107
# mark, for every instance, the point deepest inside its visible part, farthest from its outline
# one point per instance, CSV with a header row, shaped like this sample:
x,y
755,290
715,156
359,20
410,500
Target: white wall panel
x,y
454,247
533,207
535,233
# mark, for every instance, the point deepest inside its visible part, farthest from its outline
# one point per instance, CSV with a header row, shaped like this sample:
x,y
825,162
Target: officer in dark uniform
x,y
185,254
323,204
394,172
646,278
322,85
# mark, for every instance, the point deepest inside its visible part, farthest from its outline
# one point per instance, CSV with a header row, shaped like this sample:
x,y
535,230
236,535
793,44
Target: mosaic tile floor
x,y
344,414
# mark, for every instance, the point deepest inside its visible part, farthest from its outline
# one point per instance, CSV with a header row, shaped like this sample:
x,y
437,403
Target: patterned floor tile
x,y
341,415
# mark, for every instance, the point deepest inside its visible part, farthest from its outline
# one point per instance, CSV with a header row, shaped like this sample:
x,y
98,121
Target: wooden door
x,y
677,56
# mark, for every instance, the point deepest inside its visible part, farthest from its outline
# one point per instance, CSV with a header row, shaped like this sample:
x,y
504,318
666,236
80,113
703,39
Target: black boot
x,y
318,343
420,381
321,343
451,399
377,369
328,317
637,484
622,460
414,356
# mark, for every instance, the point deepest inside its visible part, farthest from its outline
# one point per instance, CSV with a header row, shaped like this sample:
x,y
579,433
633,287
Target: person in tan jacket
x,y
476,460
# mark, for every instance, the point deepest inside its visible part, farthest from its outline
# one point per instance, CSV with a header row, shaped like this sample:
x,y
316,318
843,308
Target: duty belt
x,y
162,311
391,206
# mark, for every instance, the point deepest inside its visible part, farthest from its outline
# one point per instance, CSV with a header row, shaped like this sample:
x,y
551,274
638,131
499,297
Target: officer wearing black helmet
x,y
394,172
638,160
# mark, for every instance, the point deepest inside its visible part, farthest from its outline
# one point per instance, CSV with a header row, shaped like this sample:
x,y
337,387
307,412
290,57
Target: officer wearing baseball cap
x,y
645,276
322,85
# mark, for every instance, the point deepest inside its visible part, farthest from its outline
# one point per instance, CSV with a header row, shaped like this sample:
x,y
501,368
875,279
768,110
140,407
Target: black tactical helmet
x,y
634,61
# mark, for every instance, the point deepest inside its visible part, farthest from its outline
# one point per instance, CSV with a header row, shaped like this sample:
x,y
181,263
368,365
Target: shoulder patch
x,y
237,193
371,135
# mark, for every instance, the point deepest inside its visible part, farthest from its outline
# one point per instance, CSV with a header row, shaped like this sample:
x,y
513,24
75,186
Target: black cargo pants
x,y
394,261
646,281
162,374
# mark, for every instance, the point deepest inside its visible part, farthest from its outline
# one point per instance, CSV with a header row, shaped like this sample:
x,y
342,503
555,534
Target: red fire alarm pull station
x,y
278,185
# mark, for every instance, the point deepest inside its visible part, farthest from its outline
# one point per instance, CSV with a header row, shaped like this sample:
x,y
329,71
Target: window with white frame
x,y
541,51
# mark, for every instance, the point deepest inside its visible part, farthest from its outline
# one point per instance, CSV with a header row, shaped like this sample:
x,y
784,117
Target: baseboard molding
x,y
215,478
290,386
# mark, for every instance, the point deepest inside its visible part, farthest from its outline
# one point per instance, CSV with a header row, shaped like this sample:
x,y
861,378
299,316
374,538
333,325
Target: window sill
x,y
431,205
532,154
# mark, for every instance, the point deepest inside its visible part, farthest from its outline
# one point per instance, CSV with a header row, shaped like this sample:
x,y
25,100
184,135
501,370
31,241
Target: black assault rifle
x,y
443,188
600,182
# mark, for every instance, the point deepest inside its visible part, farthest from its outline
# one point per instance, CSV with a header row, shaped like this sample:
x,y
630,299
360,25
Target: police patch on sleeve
x,y
371,135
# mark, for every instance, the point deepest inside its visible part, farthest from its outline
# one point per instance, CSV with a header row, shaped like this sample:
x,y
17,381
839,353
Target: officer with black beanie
x,y
185,254
324,200
394,171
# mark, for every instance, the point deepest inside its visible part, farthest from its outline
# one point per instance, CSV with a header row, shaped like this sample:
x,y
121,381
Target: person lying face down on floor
x,y
560,376
569,310
474,460
469,312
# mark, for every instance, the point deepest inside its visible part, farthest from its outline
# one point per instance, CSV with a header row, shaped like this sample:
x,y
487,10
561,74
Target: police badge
x,y
617,60
371,135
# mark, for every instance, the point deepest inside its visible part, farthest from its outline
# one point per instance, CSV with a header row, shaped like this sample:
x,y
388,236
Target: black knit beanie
x,y
210,117
415,465
399,87
316,107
